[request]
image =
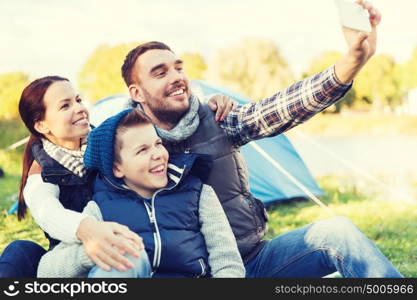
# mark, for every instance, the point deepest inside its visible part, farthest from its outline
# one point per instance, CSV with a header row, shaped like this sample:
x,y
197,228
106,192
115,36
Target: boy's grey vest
x,y
229,178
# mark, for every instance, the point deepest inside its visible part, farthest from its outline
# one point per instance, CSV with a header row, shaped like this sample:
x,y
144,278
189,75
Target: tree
x,y
194,65
253,67
322,62
11,87
407,73
377,82
101,75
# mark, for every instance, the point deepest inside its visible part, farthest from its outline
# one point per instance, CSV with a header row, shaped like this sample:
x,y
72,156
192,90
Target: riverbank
x,y
366,124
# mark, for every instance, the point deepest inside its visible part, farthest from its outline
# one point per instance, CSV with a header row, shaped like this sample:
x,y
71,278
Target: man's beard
x,y
163,112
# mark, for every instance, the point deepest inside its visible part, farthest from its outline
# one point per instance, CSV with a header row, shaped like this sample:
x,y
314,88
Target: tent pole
x,y
15,145
280,168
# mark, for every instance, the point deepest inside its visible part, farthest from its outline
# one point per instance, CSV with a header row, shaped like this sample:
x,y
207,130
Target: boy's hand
x,y
222,105
107,242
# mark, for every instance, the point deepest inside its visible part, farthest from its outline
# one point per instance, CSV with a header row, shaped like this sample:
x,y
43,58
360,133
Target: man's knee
x,y
337,228
339,224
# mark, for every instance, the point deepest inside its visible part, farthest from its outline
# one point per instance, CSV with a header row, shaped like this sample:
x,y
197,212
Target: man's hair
x,y
132,119
132,56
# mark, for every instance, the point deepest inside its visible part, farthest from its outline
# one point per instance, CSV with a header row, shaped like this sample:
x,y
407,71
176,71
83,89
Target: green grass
x,y
10,228
11,132
391,225
10,162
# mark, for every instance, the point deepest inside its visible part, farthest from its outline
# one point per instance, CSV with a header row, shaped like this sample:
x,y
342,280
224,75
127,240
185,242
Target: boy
x,y
183,226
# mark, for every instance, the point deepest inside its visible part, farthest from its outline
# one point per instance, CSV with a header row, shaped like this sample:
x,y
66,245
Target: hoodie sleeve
x,y
224,256
68,260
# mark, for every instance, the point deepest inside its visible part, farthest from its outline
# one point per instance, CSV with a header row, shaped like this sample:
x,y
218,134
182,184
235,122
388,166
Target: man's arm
x,y
284,110
224,257
306,98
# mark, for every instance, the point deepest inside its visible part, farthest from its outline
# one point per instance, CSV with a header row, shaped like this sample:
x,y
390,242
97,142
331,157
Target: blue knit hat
x,y
99,154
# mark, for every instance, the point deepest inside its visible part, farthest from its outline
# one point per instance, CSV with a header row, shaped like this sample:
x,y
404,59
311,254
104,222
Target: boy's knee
x,y
141,269
142,264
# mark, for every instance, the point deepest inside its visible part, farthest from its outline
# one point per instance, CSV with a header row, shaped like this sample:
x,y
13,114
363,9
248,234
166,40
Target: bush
x,y
11,87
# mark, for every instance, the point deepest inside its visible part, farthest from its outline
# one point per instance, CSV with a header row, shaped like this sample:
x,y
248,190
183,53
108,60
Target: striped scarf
x,y
70,159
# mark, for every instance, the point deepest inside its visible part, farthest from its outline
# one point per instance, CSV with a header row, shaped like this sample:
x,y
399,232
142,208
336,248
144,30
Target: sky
x,y
45,37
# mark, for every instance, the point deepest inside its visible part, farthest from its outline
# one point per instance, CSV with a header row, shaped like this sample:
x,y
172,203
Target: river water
x,y
374,155
387,165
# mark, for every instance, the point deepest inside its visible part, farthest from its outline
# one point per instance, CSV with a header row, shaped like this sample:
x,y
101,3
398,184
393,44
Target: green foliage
x,y
322,62
406,74
410,71
377,82
253,67
101,75
194,65
11,87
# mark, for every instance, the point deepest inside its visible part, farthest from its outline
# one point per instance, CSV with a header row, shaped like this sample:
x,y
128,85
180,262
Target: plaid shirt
x,y
284,110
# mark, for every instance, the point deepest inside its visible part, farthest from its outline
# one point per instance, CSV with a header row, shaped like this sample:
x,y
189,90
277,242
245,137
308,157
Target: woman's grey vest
x,y
229,178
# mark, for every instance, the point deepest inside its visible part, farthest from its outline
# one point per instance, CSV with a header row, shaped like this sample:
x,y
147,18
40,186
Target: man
x,y
156,81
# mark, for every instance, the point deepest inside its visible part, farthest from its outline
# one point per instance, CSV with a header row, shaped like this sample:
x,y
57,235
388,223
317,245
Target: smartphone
x,y
353,16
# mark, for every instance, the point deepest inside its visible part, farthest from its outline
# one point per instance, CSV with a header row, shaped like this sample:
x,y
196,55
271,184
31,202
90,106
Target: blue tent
x,y
266,182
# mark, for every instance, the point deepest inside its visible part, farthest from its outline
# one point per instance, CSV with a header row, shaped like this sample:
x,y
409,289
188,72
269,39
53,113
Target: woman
x,y
58,122
55,185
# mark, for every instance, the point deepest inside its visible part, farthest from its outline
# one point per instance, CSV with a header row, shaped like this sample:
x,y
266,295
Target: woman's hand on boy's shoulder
x,y
107,242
